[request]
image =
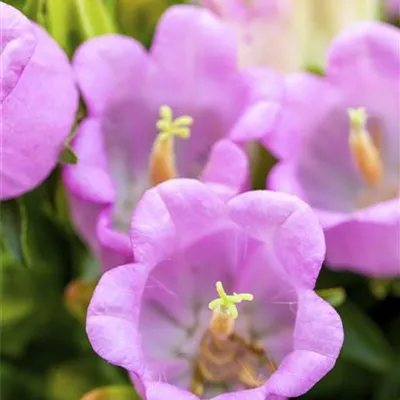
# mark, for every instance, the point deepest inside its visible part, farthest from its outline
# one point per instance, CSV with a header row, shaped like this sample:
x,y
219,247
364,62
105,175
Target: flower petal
x,y
256,122
113,314
367,241
18,42
196,37
89,179
36,119
162,391
286,224
308,99
364,64
115,247
318,338
84,215
172,215
227,170
109,70
283,178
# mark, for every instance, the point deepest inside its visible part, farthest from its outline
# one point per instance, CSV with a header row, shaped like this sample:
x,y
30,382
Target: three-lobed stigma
x,y
227,303
162,157
168,126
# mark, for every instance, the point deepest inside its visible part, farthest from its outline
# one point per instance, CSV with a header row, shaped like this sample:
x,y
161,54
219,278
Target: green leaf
x,y
396,287
315,69
26,299
389,387
73,379
14,227
46,244
380,288
112,393
334,296
261,162
34,10
18,385
68,156
59,20
93,17
139,18
16,3
344,378
364,342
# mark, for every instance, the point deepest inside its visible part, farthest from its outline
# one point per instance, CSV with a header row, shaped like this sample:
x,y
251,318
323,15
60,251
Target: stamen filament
x,y
162,158
365,152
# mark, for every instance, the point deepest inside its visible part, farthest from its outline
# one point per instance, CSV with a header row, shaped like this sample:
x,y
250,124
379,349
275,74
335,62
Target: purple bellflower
x,y
190,73
38,101
339,144
157,317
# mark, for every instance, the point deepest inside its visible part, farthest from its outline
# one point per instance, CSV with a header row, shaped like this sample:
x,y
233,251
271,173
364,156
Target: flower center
x,y
365,147
226,358
162,164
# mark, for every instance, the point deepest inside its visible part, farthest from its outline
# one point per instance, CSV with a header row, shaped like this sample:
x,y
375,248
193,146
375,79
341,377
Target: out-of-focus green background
x,y
47,275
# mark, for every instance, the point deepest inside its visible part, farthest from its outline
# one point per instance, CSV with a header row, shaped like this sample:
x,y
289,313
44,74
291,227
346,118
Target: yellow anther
x,y
162,158
227,303
365,153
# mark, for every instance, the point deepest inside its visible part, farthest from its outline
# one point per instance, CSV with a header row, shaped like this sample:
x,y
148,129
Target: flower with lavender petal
x,y
38,101
267,335
288,34
339,141
190,74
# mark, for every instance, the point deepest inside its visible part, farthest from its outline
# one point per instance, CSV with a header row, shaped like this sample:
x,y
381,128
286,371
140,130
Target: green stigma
x,y
358,117
228,302
173,127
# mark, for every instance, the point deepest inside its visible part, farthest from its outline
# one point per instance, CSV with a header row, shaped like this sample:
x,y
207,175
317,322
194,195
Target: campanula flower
x,y
220,302
188,84
339,144
288,34
38,101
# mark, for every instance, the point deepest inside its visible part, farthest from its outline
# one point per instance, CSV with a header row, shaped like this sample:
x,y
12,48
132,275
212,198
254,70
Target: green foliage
x,y
112,393
93,17
34,10
68,156
334,296
13,229
364,344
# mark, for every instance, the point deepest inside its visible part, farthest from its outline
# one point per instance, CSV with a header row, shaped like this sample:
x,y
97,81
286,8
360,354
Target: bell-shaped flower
x,y
220,302
173,111
339,144
288,34
38,101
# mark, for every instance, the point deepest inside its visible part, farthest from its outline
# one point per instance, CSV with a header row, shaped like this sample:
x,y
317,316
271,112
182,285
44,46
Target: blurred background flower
x,y
120,154
326,153
289,34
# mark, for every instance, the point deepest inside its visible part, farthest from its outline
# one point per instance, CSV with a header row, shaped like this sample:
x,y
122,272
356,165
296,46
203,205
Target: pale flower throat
x,y
226,359
366,151
161,166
